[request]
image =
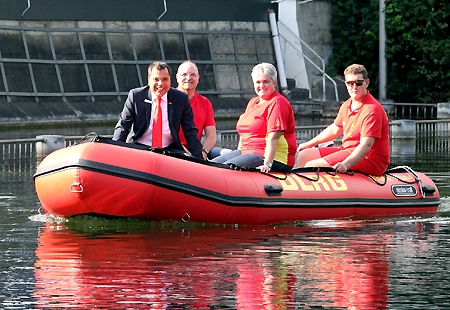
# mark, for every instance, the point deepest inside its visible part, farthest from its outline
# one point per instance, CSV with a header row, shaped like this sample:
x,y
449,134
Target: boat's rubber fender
x,y
428,190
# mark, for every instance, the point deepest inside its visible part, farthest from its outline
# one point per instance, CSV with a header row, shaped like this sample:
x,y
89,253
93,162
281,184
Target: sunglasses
x,y
357,82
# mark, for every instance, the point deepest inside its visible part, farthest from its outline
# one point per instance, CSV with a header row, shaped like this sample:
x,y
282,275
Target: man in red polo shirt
x,y
365,127
188,78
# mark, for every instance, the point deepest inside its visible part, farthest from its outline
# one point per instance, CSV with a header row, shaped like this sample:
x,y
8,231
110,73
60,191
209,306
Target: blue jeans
x,y
216,152
240,160
248,160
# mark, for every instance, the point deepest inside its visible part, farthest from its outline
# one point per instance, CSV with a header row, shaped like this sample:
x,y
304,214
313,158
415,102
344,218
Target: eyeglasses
x,y
185,75
357,83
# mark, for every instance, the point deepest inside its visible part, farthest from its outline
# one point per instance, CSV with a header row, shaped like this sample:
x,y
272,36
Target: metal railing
x,y
230,138
19,155
320,68
399,110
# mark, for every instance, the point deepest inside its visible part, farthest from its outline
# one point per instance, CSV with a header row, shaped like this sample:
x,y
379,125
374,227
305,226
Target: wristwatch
x,y
204,150
268,165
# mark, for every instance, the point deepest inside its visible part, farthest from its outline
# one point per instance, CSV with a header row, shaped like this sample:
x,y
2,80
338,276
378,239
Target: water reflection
x,y
341,265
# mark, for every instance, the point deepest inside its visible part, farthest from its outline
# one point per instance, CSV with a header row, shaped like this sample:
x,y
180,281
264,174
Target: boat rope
x,y
417,179
276,176
389,173
379,180
90,137
317,170
376,180
400,179
315,179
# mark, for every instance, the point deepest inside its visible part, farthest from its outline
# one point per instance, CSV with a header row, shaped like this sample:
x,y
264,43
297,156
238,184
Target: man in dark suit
x,y
140,109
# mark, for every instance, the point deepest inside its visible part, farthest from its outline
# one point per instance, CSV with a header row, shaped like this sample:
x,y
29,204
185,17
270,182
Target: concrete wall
x,y
314,25
84,69
49,68
305,30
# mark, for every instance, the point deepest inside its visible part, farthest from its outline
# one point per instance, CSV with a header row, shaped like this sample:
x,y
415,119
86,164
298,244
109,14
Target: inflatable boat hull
x,y
115,180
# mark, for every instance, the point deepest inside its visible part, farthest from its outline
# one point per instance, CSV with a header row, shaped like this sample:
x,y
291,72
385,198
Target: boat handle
x,y
186,218
76,188
273,189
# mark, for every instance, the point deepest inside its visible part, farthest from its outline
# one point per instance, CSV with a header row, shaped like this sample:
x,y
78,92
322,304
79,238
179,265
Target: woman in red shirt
x,y
266,129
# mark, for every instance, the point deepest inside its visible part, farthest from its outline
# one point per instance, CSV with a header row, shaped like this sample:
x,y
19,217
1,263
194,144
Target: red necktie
x,y
157,126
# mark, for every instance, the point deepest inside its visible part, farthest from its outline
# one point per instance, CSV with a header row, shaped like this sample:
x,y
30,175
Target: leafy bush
x,y
417,46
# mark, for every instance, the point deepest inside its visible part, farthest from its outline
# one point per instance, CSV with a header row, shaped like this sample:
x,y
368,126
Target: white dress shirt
x,y
166,136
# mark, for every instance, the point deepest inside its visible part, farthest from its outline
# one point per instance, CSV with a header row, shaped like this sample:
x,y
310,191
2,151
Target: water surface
x,y
382,263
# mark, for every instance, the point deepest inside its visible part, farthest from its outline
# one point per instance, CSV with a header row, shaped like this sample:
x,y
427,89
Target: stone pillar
x,y
403,129
218,138
49,143
443,110
403,138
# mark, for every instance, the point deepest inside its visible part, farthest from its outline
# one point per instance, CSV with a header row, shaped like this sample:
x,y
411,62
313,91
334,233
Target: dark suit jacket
x,y
136,113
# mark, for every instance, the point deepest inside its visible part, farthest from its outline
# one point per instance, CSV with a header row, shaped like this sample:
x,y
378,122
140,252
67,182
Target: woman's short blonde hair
x,y
266,68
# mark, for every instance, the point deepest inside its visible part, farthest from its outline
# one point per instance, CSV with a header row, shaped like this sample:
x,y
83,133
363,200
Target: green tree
x,y
355,37
417,50
417,47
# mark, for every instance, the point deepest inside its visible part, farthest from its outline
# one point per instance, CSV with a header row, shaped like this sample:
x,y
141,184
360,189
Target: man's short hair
x,y
356,69
159,65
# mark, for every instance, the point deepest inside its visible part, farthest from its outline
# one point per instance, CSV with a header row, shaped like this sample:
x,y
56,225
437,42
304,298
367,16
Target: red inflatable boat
x,y
105,177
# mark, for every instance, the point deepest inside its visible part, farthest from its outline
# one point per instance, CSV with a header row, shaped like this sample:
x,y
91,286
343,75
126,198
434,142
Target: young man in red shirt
x,y
365,127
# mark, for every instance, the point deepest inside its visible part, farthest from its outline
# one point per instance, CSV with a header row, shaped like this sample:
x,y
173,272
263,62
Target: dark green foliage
x,y
417,47
355,37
